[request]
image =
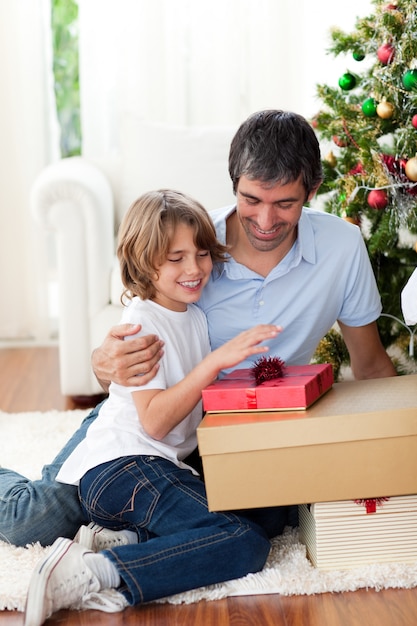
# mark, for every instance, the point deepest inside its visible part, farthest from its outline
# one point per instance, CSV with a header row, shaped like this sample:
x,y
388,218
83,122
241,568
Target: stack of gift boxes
x,y
346,453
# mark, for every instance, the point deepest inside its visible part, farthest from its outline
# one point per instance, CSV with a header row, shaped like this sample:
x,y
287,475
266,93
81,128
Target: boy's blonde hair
x,y
145,236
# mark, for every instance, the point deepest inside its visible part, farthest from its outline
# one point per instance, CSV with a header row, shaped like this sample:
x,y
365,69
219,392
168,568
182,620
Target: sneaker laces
x,y
110,540
107,600
97,538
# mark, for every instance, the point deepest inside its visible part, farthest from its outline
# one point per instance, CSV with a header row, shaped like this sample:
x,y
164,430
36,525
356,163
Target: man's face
x,y
269,214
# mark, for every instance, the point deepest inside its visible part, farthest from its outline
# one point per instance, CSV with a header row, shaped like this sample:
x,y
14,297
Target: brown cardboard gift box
x,y
358,441
349,533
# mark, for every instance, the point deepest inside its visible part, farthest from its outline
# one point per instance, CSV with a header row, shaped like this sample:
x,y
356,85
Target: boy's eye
x,y
204,253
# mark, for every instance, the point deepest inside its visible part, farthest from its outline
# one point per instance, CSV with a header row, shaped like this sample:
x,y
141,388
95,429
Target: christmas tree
x,y
370,167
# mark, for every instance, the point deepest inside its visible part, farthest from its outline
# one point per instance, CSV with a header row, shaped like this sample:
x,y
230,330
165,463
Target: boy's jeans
x,y
181,545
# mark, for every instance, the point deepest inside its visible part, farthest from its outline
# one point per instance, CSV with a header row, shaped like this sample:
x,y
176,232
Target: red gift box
x,y
300,386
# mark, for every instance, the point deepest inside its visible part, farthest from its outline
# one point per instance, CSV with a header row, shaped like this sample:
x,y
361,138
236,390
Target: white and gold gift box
x,y
351,533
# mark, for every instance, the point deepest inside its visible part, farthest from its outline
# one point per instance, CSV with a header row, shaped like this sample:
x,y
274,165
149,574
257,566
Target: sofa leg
x,y
84,402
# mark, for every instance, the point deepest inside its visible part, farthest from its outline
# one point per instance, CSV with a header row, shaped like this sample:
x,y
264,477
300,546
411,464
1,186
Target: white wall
x,y
199,62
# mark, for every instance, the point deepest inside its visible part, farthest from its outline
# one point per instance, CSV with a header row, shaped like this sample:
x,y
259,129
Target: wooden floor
x,y
29,381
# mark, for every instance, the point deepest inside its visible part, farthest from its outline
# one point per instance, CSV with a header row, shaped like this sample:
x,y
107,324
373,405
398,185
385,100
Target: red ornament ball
x,y
414,121
378,199
341,143
386,53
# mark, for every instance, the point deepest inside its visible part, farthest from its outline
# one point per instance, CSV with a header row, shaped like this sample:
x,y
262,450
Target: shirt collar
x,y
219,217
304,246
305,237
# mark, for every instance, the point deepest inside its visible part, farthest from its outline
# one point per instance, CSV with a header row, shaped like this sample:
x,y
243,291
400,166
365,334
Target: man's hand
x,y
127,363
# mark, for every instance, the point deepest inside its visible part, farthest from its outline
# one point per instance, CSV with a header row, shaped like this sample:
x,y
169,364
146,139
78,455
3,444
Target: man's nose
x,y
266,217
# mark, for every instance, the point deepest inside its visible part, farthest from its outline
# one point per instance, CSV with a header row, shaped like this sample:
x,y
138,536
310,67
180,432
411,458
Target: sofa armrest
x,y
74,198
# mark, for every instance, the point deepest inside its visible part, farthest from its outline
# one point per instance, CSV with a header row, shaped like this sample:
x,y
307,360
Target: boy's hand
x,y
244,345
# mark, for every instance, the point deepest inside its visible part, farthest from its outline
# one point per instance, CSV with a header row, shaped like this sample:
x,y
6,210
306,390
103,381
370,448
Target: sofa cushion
x,y
190,159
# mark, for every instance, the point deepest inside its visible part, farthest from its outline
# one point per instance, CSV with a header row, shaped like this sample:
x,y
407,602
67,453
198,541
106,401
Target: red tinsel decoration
x,y
396,167
267,368
358,169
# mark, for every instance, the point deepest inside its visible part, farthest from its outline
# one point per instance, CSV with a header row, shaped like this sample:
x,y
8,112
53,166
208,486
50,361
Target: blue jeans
x,y
41,510
181,545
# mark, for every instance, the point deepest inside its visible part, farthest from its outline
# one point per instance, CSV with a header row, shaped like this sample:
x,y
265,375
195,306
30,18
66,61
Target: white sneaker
x,y
97,538
60,581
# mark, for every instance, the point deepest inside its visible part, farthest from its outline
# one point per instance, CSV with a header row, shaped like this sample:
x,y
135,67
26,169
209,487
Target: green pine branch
x,y
370,145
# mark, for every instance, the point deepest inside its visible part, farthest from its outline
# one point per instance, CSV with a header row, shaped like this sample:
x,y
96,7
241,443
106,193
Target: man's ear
x,y
313,192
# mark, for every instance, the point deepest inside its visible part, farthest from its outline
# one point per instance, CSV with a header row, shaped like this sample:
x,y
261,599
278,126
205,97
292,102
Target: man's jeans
x,y
41,510
181,545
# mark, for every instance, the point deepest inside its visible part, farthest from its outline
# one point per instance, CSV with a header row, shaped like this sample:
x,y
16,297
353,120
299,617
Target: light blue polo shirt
x,y
326,276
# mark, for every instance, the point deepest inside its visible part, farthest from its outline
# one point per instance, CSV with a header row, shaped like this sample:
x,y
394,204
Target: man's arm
x,y
368,358
127,363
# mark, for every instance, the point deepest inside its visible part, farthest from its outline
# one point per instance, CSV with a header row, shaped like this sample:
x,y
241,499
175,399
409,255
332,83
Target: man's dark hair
x,y
275,146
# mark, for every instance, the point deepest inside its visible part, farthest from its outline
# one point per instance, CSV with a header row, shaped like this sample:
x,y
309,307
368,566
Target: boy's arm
x,y
161,410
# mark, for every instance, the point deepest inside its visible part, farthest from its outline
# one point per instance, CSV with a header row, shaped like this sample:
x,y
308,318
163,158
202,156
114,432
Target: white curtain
x,y
29,140
194,62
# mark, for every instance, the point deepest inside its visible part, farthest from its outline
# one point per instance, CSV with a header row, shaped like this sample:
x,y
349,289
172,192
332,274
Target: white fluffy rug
x,y
31,439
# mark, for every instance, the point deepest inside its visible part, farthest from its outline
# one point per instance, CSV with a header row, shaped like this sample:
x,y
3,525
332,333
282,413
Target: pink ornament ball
x,y
414,121
386,53
378,199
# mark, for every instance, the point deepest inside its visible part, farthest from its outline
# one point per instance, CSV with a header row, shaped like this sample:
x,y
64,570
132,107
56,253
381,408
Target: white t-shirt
x,y
117,431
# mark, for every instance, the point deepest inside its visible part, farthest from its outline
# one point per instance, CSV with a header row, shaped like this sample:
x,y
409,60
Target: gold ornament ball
x,y
385,110
351,220
411,169
331,159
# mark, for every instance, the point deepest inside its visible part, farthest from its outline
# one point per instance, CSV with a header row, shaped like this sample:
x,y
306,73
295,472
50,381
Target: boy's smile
x,y
184,273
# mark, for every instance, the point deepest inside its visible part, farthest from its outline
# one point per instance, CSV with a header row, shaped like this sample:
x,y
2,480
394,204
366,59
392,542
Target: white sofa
x,y
83,201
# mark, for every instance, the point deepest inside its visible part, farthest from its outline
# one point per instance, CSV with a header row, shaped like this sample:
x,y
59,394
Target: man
x,y
290,266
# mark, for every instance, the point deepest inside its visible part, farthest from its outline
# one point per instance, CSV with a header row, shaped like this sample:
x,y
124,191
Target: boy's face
x,y
183,275
269,214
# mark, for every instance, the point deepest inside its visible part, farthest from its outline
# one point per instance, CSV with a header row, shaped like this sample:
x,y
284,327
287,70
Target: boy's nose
x,y
192,266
